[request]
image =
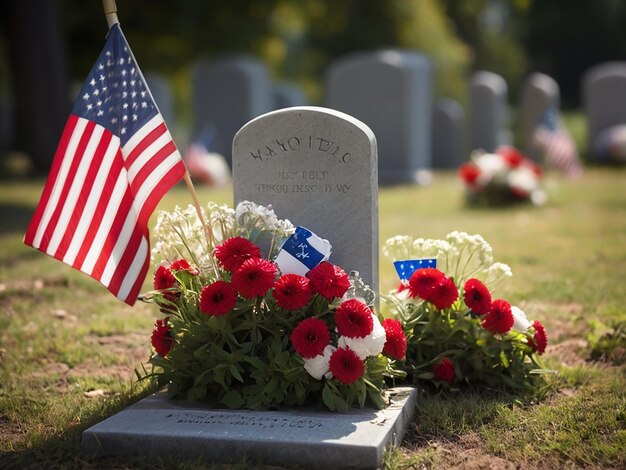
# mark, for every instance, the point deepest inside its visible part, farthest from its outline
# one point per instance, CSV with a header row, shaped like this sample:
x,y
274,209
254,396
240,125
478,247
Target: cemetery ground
x,y
68,348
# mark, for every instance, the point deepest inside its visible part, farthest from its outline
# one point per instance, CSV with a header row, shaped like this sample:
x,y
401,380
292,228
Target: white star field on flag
x,y
115,95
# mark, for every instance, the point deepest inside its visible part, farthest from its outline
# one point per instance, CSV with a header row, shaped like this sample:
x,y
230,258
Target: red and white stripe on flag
x,y
94,210
559,149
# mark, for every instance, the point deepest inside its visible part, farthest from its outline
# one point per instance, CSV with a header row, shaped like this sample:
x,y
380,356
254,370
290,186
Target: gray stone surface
x,y
226,94
391,92
488,111
163,96
157,427
318,168
604,98
448,130
288,95
539,93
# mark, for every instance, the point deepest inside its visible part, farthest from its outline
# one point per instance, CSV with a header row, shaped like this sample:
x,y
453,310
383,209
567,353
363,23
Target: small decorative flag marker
x,y
407,267
301,252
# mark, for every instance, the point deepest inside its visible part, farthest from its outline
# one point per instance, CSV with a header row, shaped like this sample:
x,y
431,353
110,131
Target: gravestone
x,y
163,97
156,427
391,92
448,131
488,111
540,93
288,96
227,94
318,168
604,97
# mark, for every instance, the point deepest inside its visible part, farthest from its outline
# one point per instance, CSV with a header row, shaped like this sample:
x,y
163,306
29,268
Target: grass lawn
x,y
68,348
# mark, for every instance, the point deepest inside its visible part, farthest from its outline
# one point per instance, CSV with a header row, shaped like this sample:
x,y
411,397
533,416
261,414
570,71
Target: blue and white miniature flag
x,y
301,252
407,267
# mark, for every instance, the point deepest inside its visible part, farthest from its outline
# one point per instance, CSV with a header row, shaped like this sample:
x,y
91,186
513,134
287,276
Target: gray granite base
x,y
158,427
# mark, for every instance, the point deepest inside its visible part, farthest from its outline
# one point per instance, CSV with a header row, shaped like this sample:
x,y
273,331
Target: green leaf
x,y
361,392
340,403
235,373
504,359
255,362
328,397
232,399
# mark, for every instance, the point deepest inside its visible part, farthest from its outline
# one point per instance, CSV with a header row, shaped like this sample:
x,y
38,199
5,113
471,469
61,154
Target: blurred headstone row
x,y
392,92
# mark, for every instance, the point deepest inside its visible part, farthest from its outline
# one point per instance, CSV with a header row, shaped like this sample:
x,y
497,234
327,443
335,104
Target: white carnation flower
x,y
521,323
319,366
523,179
490,165
371,345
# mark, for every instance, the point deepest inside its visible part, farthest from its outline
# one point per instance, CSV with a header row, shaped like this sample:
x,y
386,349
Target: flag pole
x,y
110,12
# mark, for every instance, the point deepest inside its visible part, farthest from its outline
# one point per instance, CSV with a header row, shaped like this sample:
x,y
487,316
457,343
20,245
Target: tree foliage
x,y
296,38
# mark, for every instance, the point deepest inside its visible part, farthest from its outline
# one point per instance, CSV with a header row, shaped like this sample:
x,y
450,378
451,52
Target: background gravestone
x,y
391,92
448,134
488,111
539,93
163,96
318,168
604,97
227,94
288,95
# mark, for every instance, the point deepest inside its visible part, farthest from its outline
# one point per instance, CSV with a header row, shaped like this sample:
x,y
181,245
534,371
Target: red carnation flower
x,y
423,281
162,341
233,252
328,280
254,277
354,319
292,291
164,279
469,173
499,318
539,343
346,366
444,371
183,265
310,337
395,345
511,155
444,294
477,296
218,298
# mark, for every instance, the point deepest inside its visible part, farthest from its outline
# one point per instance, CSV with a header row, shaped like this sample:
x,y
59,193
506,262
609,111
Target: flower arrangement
x,y
457,333
503,177
243,330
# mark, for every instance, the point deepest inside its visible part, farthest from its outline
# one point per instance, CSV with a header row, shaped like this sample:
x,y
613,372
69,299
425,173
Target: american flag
x,y
115,161
557,144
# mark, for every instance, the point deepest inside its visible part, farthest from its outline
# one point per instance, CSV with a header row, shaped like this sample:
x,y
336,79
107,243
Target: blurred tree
x,y
340,27
566,37
296,38
493,30
39,77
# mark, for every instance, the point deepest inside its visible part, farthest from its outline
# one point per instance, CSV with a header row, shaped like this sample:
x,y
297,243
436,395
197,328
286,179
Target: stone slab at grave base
x,y
158,427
